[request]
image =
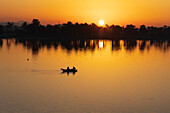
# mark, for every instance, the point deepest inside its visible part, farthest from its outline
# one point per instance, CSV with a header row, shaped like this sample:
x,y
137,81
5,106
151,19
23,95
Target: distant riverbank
x,y
70,31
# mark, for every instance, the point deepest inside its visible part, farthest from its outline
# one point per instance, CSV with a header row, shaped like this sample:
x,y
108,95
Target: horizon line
x,y
65,22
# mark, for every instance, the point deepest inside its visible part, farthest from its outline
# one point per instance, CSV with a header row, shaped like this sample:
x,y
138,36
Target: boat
x,y
69,70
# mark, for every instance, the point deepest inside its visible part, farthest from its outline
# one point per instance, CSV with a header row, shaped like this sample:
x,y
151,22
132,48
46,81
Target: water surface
x,y
113,76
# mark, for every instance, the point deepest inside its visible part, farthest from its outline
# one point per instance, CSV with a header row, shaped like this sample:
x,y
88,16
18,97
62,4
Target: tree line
x,y
82,31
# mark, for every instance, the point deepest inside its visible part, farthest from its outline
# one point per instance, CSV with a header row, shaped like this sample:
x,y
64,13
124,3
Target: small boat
x,y
69,70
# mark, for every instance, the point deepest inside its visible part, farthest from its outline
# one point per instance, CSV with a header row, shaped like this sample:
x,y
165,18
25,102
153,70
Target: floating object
x,y
69,70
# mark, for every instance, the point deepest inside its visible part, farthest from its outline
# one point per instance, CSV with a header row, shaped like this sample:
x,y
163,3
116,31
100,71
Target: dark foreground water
x,y
113,76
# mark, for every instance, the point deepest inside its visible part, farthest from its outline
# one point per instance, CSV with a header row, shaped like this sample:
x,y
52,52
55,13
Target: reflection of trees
x,y
87,45
116,45
8,43
142,45
162,45
130,44
1,43
55,44
77,45
159,44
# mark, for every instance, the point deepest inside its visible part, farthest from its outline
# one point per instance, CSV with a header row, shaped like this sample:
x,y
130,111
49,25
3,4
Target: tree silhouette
x,y
131,31
84,31
142,30
35,22
1,29
24,25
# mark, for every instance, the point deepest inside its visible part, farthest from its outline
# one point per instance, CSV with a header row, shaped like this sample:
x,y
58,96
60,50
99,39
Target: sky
x,y
118,12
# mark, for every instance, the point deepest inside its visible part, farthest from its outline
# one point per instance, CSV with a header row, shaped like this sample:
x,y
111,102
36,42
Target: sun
x,y
101,22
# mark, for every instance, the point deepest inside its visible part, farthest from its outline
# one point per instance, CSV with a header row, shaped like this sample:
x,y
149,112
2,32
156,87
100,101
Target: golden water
x,y
113,76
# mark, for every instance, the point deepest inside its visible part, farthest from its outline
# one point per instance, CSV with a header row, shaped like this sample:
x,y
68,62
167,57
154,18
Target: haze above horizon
x,y
148,12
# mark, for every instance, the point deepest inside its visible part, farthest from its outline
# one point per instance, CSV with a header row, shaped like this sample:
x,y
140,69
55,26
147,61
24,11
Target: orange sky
x,y
122,12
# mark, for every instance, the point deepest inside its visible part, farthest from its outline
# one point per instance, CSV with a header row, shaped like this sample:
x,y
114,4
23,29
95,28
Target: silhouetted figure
x,y
68,68
74,68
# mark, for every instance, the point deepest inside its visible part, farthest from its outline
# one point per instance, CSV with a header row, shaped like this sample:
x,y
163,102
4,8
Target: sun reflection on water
x,y
101,44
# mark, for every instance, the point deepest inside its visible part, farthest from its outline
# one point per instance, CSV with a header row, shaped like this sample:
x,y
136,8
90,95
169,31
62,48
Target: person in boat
x,y
68,68
74,68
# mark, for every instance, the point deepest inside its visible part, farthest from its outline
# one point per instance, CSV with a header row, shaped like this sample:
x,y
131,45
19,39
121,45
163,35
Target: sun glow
x,y
101,22
101,44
